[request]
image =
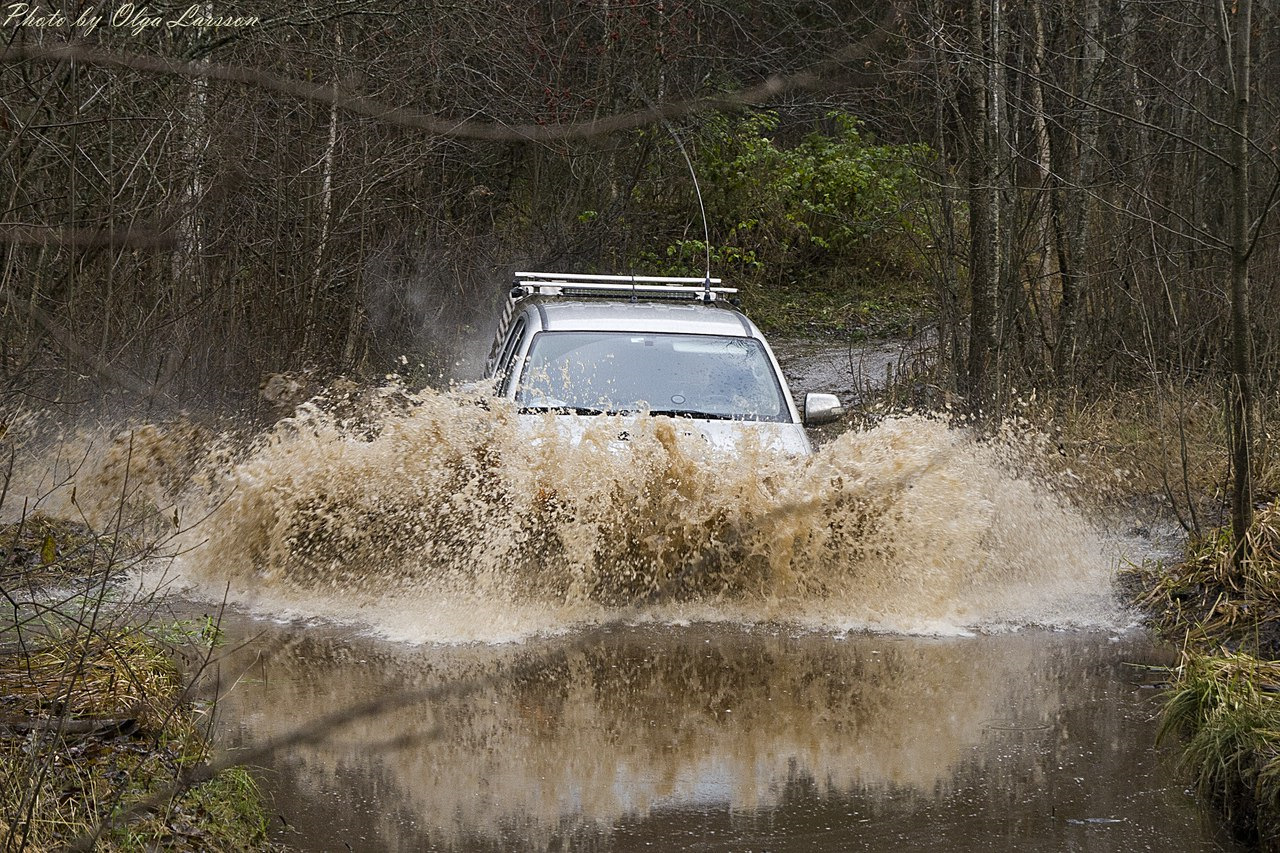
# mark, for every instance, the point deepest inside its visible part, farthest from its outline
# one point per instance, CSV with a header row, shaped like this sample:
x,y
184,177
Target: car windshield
x,y
700,376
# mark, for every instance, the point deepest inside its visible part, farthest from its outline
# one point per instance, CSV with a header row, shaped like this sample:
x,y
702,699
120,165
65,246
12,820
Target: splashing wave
x,y
450,520
447,517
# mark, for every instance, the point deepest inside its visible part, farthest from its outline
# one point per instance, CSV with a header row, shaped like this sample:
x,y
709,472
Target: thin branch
x,y
55,235
829,73
73,348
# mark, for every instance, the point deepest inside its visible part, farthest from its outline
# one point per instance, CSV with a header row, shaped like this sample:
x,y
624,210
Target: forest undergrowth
x,y
1224,693
102,734
1167,453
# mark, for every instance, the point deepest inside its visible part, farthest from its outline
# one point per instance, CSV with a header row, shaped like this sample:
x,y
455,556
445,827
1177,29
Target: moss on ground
x,y
841,312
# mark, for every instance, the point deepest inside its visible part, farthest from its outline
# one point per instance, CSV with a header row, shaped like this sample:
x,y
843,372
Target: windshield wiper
x,y
691,413
587,410
567,410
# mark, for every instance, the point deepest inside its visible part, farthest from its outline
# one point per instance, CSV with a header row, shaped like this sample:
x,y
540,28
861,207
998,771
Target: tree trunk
x,y
983,226
1241,385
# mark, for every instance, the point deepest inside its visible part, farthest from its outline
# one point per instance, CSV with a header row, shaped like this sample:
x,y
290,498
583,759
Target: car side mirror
x,y
822,409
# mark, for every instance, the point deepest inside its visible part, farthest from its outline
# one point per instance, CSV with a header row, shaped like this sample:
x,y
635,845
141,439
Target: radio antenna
x,y
706,230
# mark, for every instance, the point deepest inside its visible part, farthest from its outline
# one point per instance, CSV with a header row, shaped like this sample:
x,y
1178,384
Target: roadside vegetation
x,y
1224,699
97,715
821,230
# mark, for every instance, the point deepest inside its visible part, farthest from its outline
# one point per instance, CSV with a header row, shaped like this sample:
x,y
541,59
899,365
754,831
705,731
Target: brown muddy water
x,y
706,737
907,641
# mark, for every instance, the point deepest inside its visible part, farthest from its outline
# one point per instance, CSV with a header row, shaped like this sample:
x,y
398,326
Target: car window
x,y
691,375
509,347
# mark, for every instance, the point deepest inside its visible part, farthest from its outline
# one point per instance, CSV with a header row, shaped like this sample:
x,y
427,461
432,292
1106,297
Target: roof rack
x,y
615,286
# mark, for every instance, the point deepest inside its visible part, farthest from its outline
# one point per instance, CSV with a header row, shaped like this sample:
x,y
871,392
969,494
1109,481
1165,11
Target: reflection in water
x,y
630,736
444,519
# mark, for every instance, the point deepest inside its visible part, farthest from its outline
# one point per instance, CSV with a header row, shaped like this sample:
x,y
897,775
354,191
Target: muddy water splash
x,y
448,517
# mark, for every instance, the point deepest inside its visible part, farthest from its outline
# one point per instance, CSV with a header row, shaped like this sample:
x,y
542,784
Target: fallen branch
x,y
65,726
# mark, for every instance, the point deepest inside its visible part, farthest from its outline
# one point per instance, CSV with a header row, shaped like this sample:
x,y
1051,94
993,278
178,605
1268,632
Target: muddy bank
x,y
95,716
1222,701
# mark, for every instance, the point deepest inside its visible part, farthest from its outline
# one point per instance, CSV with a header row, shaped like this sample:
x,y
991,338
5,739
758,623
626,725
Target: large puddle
x,y
906,641
645,737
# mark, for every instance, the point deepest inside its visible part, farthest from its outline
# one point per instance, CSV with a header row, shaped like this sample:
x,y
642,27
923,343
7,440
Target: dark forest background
x,y
1066,192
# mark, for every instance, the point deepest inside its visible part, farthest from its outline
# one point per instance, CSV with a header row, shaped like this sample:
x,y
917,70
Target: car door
x,y
509,353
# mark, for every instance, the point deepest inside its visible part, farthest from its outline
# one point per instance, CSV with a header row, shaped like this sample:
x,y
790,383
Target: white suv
x,y
582,345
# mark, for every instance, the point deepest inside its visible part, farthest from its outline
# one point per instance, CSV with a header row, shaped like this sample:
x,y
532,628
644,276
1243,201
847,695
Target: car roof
x,y
565,315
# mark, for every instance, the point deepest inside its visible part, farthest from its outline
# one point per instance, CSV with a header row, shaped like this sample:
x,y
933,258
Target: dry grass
x,y
41,551
82,675
1161,445
1225,697
1207,602
93,722
1227,706
1146,442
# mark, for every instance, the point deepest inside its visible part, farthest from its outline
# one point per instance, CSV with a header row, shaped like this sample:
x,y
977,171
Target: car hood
x,y
788,439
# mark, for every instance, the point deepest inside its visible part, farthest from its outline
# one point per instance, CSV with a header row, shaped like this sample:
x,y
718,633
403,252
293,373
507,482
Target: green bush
x,y
819,229
832,197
